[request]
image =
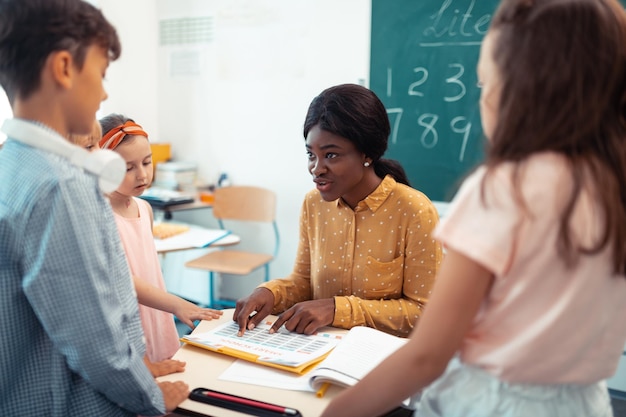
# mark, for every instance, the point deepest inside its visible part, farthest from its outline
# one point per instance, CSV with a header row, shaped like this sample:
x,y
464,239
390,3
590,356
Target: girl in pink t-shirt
x,y
531,295
134,221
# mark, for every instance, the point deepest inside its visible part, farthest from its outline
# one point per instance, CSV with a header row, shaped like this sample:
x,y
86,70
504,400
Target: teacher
x,y
366,256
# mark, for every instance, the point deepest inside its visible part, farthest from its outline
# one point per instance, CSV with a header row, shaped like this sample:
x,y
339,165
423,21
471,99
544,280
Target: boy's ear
x,y
62,68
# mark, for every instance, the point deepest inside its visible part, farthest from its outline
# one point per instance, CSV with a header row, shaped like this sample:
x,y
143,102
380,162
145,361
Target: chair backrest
x,y
239,202
247,203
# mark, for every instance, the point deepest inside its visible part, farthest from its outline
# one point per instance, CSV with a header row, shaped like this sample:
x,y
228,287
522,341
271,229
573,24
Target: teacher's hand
x,y
307,317
261,300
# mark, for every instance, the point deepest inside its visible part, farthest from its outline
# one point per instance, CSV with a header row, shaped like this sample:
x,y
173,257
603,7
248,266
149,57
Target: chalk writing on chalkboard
x,y
423,67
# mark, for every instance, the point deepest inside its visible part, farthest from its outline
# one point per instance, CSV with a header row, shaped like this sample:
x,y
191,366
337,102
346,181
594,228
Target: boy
x,y
72,339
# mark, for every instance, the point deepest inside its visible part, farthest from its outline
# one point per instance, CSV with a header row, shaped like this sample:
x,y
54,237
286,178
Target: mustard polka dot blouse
x,y
379,261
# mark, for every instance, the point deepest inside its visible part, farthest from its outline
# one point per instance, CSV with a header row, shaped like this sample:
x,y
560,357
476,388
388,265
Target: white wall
x,y
131,81
236,104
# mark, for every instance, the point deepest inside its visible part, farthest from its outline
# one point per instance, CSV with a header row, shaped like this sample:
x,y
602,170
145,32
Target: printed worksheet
x,y
259,345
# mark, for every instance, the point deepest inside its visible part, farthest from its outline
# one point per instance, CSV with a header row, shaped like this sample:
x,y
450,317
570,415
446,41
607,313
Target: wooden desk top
x,y
168,210
204,367
197,204
188,240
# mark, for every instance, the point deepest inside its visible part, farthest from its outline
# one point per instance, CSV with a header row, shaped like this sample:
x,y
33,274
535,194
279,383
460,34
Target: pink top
x,y
158,326
541,322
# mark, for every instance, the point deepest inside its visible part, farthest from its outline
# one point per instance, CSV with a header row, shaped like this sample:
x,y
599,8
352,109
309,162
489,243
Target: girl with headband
x,y
134,220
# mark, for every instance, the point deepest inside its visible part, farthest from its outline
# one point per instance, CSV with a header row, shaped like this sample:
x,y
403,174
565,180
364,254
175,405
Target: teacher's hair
x,y
562,67
357,114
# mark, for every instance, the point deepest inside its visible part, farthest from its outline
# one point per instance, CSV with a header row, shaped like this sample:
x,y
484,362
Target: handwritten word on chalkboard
x,y
423,67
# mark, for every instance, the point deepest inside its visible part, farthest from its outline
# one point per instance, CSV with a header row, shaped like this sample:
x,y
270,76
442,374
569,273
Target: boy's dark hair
x,y
357,114
30,30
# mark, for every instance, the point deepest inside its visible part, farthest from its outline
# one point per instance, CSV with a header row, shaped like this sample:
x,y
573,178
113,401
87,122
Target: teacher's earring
x,y
366,164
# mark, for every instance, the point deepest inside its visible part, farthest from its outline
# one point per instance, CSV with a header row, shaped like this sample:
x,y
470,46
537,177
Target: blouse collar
x,y
376,198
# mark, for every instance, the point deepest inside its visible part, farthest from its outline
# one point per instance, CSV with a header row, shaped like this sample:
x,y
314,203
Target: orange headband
x,y
114,136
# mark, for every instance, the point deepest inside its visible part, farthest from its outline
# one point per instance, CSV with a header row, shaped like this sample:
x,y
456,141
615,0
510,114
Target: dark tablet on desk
x,y
242,404
160,198
162,204
259,408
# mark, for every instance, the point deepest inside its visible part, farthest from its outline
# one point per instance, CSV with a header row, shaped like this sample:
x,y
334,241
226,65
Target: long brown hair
x,y
562,65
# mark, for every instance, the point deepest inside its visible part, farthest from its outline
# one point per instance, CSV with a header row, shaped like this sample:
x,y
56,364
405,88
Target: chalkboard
x,y
423,67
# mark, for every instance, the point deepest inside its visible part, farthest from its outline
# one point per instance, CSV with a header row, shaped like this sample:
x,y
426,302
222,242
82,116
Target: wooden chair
x,y
241,204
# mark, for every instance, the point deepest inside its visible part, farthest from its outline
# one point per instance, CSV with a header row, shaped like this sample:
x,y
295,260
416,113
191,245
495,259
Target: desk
x,y
169,209
204,367
168,201
189,240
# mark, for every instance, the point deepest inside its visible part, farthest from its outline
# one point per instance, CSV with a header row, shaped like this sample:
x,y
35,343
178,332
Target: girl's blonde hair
x,y
89,141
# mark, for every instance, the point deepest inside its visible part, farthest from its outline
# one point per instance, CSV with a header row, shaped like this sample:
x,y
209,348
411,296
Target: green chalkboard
x,y
423,67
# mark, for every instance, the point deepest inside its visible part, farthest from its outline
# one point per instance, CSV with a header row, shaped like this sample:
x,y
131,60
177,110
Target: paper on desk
x,y
195,237
250,373
283,349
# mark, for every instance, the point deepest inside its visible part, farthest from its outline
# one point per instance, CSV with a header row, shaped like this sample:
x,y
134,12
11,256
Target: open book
x,y
284,350
360,351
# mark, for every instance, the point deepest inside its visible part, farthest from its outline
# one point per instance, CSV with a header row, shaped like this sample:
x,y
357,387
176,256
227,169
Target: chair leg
x,y
227,303
219,303
212,300
267,272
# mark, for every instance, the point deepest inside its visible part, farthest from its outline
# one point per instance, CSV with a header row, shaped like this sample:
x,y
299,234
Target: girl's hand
x,y
166,367
188,312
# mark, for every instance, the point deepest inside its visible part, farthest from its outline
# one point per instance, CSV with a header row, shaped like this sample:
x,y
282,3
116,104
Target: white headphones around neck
x,y
107,165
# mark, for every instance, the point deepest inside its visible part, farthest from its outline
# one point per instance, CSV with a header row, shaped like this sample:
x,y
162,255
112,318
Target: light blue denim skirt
x,y
465,391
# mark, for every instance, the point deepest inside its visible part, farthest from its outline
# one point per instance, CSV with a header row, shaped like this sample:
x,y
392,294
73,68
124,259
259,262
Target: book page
x,y
246,372
358,353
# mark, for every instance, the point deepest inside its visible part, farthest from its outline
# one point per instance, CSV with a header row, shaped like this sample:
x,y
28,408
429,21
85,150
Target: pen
x,y
320,392
235,402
